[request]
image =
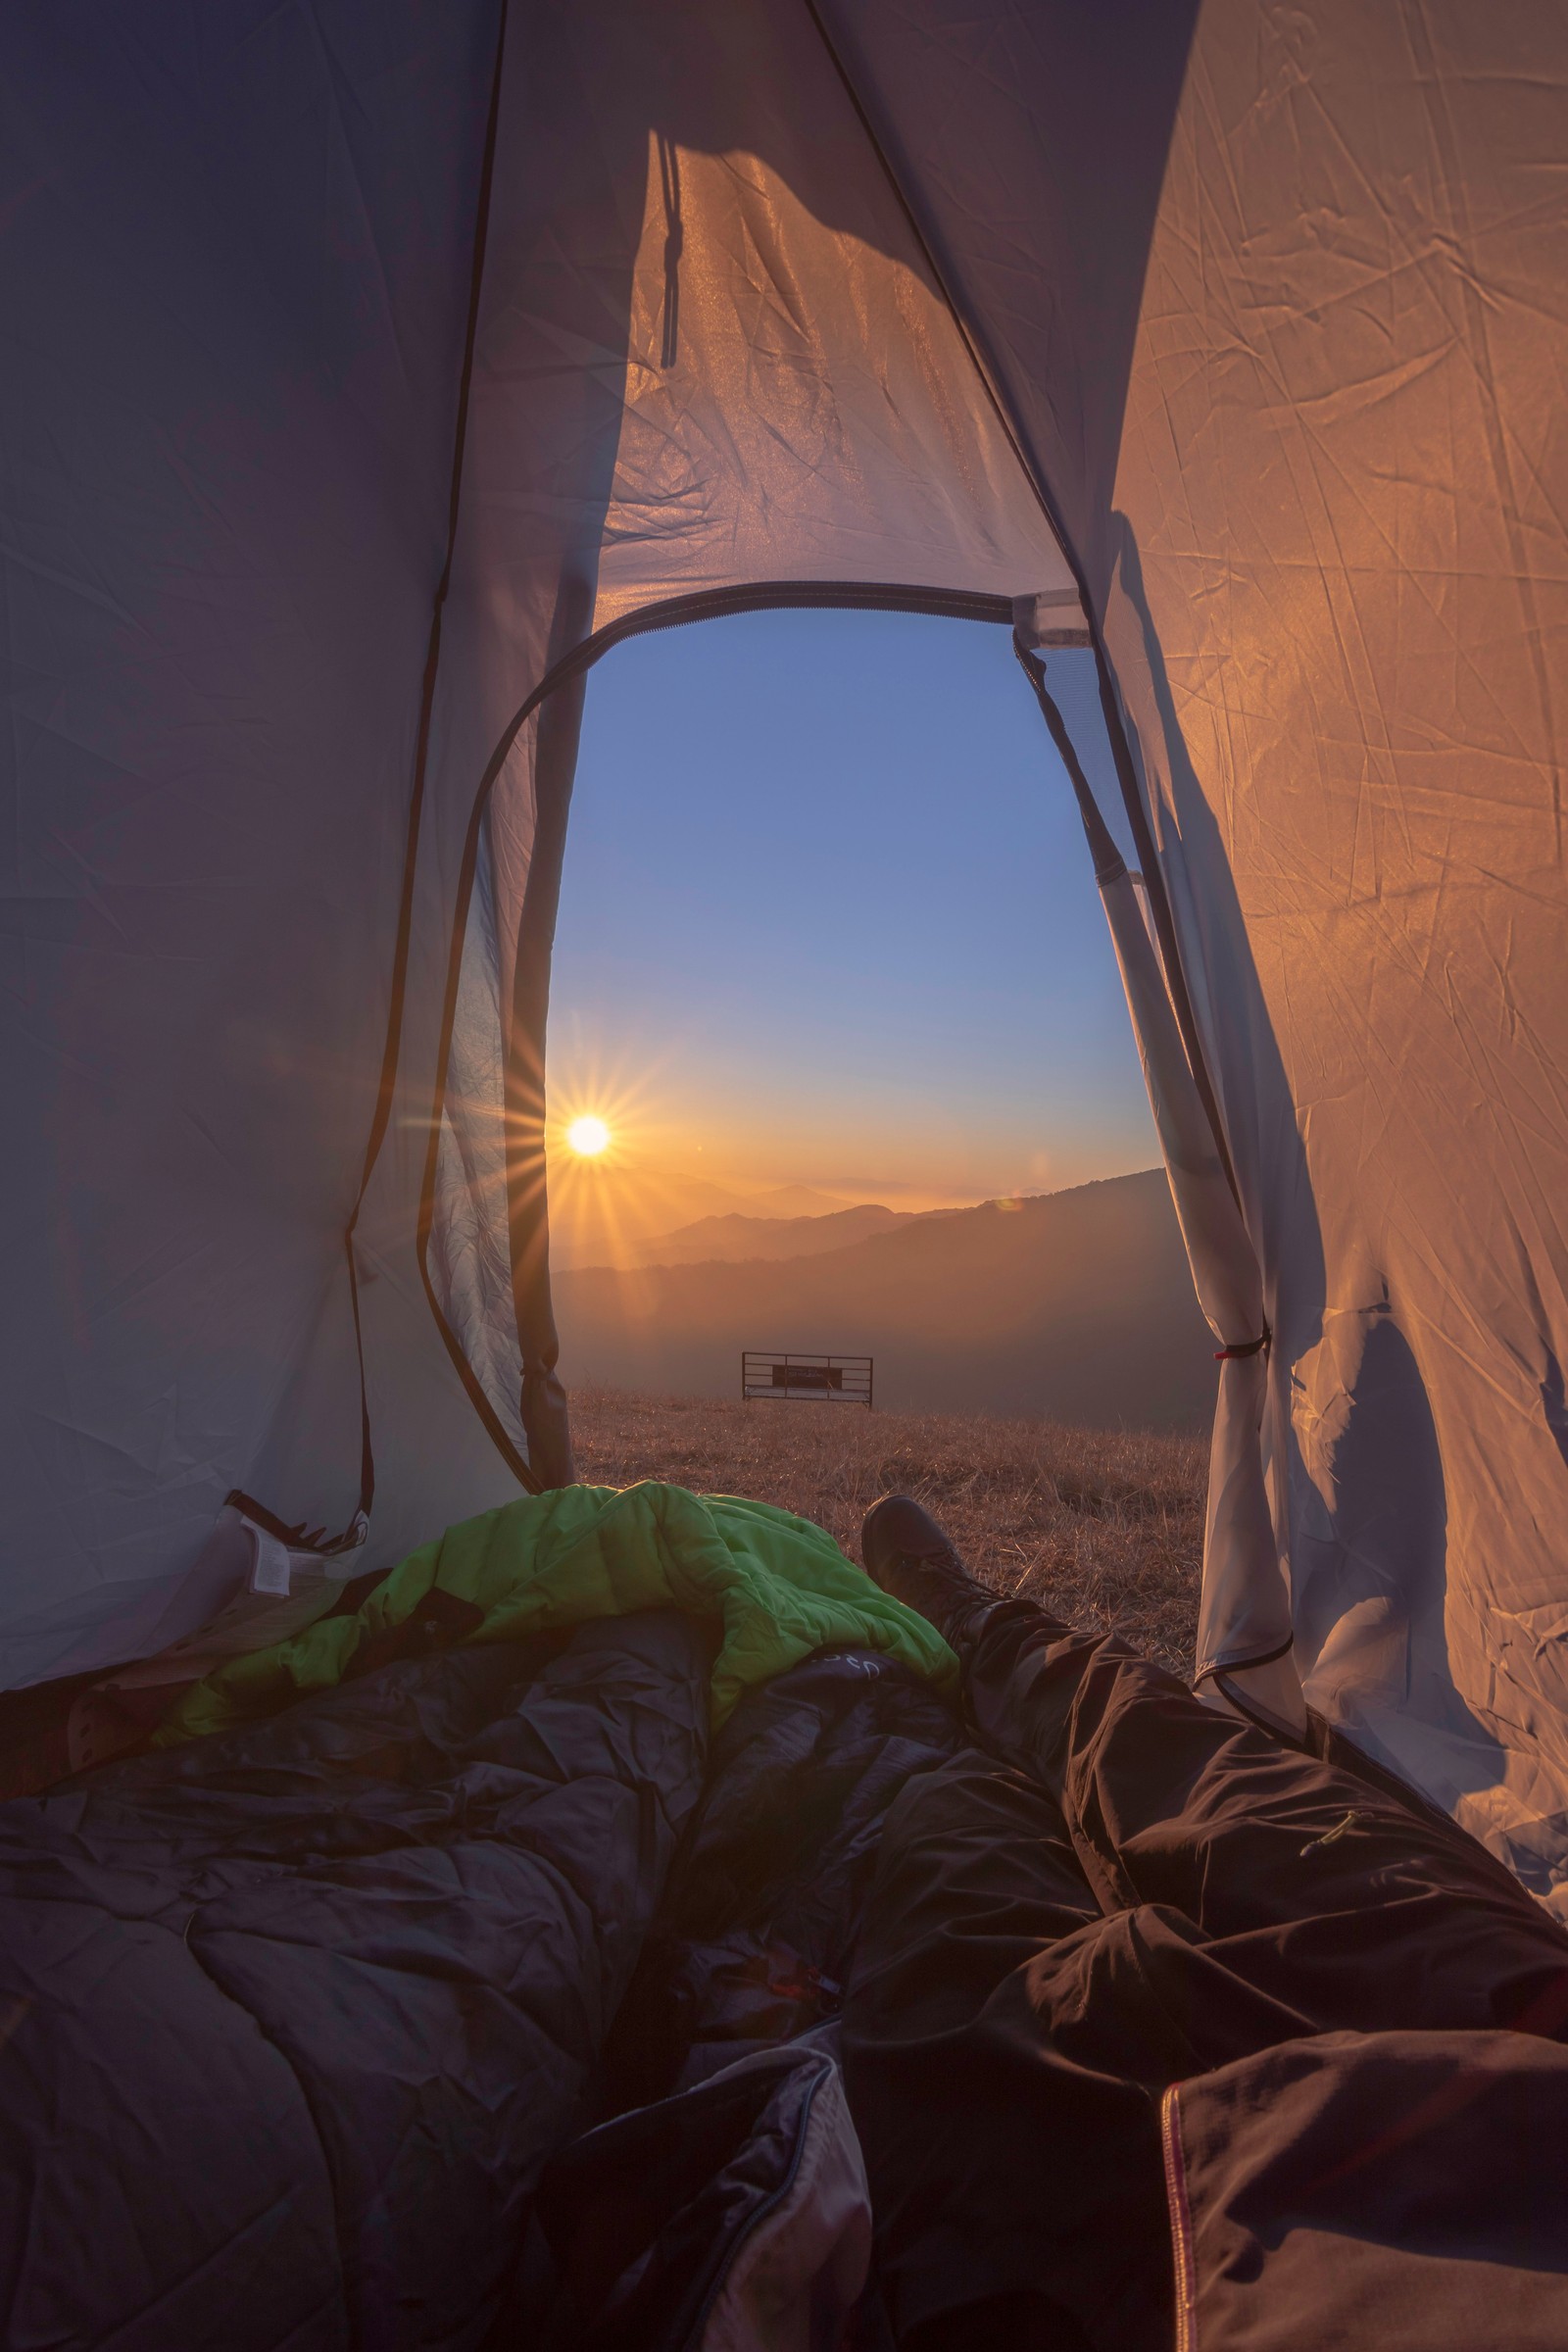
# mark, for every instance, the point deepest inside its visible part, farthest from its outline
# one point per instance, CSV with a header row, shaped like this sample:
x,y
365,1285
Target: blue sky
x,y
828,914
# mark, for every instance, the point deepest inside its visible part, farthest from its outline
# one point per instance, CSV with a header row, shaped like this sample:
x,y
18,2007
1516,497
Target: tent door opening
x,y
1244,1637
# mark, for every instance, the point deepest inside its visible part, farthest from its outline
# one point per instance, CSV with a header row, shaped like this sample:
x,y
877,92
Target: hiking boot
x,y
911,1557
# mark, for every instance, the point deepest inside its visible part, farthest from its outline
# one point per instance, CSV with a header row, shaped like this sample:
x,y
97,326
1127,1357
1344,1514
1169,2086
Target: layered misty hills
x,y
635,1215
1075,1306
733,1238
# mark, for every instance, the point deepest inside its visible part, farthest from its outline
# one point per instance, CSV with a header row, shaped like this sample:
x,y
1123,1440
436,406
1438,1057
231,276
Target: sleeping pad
x,y
315,2031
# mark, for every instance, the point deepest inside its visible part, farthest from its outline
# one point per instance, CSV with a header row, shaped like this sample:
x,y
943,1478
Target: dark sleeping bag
x,y
752,1941
725,2202
295,2016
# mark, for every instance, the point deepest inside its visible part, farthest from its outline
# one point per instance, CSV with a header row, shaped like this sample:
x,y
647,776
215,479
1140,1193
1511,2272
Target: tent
x,y
372,367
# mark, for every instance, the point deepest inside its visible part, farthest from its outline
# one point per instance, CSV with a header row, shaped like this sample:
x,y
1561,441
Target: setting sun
x,y
588,1137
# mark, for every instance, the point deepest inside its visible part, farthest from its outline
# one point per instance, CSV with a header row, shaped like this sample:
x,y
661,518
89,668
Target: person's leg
x,y
1332,1896
1135,1890
1341,1904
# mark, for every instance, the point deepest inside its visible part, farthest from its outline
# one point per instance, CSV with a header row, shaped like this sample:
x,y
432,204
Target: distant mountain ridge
x,y
734,1237
1075,1307
607,1214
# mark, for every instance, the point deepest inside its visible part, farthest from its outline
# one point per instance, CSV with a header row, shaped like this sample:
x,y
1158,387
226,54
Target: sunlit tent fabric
x,y
362,362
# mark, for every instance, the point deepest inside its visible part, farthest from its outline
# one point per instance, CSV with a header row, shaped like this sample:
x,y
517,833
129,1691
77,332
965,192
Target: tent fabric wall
x,y
1339,610
233,301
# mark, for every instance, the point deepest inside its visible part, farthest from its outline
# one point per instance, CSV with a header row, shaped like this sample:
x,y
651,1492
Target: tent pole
x,y
1245,1632
544,1409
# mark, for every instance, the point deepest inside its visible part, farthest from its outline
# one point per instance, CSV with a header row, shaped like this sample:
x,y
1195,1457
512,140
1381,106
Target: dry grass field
x,y
1104,1526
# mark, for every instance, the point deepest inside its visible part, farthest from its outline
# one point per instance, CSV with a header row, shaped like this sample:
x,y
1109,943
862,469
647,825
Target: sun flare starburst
x,y
588,1137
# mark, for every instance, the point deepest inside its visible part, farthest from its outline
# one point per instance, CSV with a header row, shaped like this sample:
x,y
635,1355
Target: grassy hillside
x,y
1077,1307
1104,1526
